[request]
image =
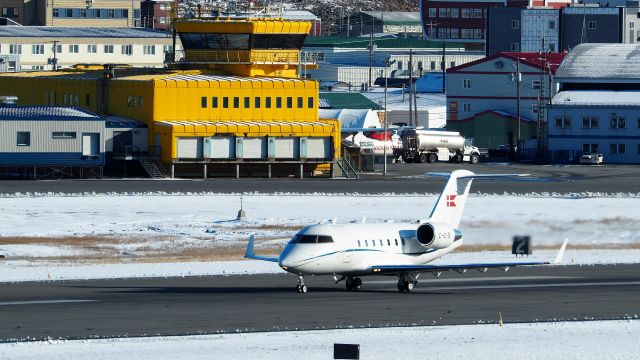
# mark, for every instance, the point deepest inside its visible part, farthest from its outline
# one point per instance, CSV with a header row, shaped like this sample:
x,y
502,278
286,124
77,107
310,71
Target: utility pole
x,y
410,84
518,78
387,64
370,54
55,55
444,66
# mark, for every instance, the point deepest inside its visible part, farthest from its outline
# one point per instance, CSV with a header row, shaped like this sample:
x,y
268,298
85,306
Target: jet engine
x,y
437,236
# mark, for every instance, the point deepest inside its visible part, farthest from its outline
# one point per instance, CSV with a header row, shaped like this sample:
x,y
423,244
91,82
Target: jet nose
x,y
285,262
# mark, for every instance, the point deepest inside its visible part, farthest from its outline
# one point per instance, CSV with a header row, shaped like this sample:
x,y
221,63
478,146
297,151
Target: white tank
x,y
432,139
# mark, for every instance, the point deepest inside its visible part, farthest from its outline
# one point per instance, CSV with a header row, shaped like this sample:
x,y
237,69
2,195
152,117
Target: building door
x,y
122,141
90,144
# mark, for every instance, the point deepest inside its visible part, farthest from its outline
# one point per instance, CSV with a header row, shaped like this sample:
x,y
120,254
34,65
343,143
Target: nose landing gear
x,y
407,283
302,287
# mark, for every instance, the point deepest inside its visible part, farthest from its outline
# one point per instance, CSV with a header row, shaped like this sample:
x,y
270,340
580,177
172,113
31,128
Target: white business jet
x,y
400,249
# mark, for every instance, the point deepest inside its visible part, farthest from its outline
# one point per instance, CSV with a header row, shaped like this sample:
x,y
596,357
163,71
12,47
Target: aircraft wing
x,y
394,269
381,269
249,254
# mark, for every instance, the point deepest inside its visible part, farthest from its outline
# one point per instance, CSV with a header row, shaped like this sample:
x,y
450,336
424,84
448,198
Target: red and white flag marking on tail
x,y
451,200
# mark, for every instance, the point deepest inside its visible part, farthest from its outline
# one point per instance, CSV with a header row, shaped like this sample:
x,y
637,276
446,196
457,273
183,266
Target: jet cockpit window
x,y
324,239
312,239
308,239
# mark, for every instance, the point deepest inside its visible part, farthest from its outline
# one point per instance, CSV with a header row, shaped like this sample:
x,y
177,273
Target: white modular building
x,y
40,137
40,47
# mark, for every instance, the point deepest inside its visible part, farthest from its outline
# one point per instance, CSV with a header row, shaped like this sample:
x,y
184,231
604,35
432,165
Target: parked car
x,y
591,159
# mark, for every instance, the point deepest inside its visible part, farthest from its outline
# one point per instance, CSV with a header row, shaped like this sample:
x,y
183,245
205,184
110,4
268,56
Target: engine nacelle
x,y
437,236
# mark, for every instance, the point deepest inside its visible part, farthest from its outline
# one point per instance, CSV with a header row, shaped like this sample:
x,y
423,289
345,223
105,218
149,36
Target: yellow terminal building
x,y
231,103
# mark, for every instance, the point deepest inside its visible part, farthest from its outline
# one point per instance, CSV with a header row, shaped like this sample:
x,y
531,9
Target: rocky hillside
x,y
332,11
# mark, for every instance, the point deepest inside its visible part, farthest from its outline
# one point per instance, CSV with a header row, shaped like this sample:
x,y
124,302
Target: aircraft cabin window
x,y
324,239
381,244
388,242
366,243
396,242
359,243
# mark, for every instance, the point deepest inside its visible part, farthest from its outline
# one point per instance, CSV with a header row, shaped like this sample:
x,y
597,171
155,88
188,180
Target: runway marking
x,y
37,302
515,286
422,281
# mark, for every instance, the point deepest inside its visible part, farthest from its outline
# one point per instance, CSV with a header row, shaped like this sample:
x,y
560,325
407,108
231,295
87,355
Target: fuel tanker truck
x,y
428,146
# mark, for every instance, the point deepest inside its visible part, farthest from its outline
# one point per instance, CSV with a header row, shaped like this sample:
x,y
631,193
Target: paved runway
x,y
402,178
177,306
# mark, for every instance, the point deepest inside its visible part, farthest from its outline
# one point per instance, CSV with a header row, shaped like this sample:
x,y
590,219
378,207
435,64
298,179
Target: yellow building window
x,y
299,102
203,102
289,102
310,102
267,102
236,102
278,102
256,103
214,102
247,102
225,102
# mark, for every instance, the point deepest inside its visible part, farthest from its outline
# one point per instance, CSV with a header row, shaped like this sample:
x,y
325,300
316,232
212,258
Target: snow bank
x,y
565,340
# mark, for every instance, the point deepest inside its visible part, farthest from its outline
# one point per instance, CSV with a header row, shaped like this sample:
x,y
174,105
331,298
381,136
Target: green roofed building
x,y
347,100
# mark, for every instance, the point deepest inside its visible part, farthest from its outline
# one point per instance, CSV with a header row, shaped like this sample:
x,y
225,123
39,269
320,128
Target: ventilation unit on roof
x,y
8,100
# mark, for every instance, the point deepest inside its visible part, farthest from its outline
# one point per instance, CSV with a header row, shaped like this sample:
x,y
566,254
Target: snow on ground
x,y
22,270
564,340
71,237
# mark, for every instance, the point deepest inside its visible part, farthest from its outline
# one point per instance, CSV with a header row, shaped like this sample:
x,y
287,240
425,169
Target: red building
x,y
461,21
156,14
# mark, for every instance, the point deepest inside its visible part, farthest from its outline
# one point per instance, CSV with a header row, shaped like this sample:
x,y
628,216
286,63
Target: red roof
x,y
532,59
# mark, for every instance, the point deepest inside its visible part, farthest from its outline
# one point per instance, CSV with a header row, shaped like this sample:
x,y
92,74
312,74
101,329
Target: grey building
x,y
503,30
598,107
534,29
581,25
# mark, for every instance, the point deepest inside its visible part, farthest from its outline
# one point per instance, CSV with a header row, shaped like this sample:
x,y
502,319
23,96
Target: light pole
x,y
387,64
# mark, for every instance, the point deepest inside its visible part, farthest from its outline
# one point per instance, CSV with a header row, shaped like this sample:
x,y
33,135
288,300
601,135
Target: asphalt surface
x,y
178,306
402,178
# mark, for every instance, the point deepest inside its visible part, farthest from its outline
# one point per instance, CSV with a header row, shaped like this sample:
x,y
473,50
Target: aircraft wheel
x,y
298,290
409,286
357,284
303,289
349,284
402,285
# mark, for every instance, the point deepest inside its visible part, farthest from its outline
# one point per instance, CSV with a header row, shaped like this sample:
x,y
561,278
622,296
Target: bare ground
x,y
104,248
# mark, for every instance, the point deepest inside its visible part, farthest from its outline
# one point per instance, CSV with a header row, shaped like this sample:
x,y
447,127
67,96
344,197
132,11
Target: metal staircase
x,y
347,166
153,168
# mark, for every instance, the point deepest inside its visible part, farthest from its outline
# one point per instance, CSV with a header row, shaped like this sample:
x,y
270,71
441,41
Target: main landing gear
x,y
353,284
302,287
406,283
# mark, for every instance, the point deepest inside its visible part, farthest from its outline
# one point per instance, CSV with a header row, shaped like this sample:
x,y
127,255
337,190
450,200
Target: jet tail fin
x,y
450,205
